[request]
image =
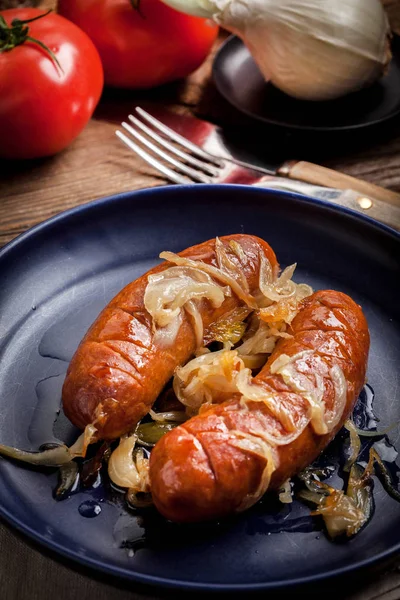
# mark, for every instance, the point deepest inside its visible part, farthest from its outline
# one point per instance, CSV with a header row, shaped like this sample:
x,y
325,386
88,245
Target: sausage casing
x,y
203,470
119,370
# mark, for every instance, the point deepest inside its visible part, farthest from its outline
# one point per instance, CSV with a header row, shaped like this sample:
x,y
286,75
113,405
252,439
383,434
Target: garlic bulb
x,y
309,49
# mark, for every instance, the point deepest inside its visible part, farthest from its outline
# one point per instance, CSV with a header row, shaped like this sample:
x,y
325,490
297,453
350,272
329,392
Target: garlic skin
x,y
309,49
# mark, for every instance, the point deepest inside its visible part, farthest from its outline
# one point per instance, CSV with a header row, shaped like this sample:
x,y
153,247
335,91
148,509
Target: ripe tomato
x,y
143,47
43,107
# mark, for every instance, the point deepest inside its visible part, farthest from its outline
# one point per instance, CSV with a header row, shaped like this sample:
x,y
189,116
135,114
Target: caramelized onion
x,y
173,416
355,445
256,393
275,288
207,378
282,288
384,475
193,310
216,376
53,457
228,266
181,287
238,250
262,341
175,289
89,436
281,295
344,513
304,379
254,361
285,493
338,379
216,273
368,433
128,468
251,443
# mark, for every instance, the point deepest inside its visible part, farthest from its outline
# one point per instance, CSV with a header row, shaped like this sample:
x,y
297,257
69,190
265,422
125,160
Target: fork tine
x,y
175,177
216,160
210,169
178,138
193,173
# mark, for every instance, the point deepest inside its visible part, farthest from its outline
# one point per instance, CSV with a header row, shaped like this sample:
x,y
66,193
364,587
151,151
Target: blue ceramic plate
x,y
54,281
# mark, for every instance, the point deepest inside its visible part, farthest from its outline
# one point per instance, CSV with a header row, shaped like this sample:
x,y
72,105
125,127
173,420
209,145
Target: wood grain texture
x,y
98,165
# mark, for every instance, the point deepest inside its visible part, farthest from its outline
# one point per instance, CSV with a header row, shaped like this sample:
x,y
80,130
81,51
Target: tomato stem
x,y
136,6
17,34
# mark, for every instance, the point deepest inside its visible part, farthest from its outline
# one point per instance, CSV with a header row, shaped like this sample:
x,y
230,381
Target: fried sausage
x,y
119,370
211,466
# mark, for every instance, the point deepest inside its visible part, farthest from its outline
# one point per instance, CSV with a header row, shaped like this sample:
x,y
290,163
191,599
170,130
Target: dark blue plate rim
x,y
125,574
220,56
124,195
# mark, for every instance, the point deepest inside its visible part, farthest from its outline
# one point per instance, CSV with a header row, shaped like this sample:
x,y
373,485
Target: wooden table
x,y
97,165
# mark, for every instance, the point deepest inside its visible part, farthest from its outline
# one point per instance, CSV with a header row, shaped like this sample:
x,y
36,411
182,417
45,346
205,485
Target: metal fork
x,y
197,167
191,164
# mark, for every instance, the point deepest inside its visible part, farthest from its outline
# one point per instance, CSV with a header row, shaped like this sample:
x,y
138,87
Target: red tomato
x,y
145,47
44,107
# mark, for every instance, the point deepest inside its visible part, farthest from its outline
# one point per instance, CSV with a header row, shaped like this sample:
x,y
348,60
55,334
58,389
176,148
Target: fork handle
x,y
310,173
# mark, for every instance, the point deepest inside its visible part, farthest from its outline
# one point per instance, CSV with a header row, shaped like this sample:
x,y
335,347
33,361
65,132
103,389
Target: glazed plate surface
x,y
58,276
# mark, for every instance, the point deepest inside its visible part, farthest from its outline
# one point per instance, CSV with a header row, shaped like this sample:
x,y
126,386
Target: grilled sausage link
x,y
211,466
119,369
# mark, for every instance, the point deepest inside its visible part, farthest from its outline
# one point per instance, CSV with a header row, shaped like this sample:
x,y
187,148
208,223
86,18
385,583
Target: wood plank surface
x,y
97,165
